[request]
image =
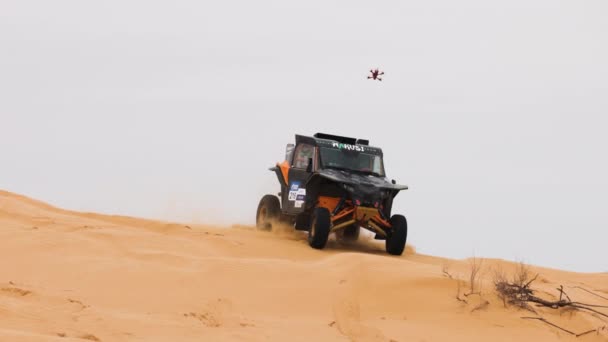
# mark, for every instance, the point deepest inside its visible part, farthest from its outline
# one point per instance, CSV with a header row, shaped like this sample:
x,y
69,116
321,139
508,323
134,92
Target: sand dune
x,y
83,276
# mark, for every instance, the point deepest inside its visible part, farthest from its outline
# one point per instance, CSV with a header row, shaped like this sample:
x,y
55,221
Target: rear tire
x,y
269,211
395,242
320,225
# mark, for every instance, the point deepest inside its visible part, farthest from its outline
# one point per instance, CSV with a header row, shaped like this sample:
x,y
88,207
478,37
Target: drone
x,y
376,74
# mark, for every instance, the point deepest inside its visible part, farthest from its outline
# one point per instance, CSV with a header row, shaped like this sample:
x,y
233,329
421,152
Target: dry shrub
x,y
445,269
475,281
474,286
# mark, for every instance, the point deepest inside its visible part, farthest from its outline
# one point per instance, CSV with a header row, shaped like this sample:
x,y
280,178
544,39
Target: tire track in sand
x,y
347,314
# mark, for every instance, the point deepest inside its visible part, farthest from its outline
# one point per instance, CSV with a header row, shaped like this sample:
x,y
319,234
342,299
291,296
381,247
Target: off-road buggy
x,y
334,184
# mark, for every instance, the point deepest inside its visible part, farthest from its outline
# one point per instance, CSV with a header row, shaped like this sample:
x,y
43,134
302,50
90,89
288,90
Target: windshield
x,y
352,160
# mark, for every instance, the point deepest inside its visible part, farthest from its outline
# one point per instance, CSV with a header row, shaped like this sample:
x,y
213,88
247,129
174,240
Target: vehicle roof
x,y
336,141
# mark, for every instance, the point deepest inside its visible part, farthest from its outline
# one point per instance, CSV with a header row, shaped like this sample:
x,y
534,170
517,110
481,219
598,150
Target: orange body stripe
x,y
284,166
331,203
328,202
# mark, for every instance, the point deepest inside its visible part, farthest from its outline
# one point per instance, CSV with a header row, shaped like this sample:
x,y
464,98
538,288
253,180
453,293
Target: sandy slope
x,y
67,275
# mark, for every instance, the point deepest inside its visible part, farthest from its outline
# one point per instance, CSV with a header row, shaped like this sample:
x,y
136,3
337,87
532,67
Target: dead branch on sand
x,y
518,292
560,328
588,291
481,306
521,295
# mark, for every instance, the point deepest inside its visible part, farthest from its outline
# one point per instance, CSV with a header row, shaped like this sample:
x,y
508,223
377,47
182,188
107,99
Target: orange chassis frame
x,y
366,217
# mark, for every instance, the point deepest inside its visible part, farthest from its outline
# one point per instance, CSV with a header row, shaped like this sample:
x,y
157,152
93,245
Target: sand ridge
x,y
68,275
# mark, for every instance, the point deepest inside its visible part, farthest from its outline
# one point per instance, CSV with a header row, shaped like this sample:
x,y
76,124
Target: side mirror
x,y
393,181
309,166
289,152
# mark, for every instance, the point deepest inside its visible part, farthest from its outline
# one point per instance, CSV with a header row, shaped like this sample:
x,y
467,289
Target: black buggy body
x,y
334,184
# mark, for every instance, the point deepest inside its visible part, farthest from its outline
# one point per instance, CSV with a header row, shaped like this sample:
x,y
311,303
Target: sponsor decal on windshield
x,y
348,147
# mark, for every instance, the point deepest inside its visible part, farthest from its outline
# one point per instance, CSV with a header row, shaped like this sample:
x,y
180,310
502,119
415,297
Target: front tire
x,y
395,242
320,225
269,211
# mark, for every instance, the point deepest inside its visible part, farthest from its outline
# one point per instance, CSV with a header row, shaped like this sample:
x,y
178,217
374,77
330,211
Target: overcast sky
x,y
494,113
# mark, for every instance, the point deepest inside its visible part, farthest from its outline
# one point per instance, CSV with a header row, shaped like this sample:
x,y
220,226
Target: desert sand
x,y
75,276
